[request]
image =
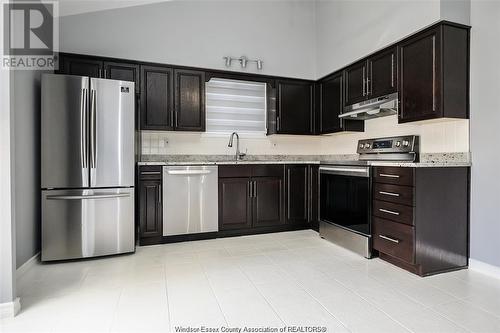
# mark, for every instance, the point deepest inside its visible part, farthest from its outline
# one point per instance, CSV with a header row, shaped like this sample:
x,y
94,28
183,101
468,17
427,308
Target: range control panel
x,y
396,144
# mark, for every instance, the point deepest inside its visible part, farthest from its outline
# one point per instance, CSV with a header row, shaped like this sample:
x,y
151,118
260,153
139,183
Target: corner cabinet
x,y
331,104
150,205
434,74
295,107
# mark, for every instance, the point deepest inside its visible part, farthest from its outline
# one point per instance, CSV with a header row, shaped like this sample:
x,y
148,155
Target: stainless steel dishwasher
x,y
190,199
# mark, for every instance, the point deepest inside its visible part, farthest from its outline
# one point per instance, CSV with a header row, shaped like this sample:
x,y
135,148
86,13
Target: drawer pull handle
x,y
388,175
388,211
389,193
151,173
390,239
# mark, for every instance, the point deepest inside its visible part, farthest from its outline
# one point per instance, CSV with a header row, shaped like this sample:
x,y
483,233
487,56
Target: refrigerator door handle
x,y
82,197
83,128
93,97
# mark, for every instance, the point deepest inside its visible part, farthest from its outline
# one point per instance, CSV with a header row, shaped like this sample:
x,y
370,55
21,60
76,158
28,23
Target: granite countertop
x,y
426,160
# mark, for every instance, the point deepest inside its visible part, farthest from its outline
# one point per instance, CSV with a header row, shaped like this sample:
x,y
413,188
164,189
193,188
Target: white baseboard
x,y
27,265
10,309
484,268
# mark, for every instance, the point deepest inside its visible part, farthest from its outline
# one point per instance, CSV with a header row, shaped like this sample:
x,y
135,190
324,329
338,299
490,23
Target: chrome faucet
x,y
238,156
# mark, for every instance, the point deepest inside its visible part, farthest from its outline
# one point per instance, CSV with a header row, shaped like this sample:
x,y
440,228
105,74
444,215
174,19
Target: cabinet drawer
x,y
235,171
392,211
393,193
394,175
151,172
394,239
266,170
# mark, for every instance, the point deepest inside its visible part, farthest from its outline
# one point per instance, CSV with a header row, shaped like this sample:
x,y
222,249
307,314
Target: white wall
x,y
7,228
25,86
349,30
485,119
200,33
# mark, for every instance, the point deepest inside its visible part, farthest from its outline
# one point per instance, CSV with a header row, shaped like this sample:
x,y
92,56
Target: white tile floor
x,y
292,278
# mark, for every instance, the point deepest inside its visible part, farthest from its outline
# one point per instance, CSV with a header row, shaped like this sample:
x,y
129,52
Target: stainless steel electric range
x,y
345,191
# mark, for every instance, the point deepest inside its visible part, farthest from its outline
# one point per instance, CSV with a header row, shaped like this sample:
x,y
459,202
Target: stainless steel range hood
x,y
374,108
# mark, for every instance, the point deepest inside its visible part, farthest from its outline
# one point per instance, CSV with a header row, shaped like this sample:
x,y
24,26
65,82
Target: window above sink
x,y
235,106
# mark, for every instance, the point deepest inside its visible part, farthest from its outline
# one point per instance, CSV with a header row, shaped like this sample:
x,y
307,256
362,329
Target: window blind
x,y
235,106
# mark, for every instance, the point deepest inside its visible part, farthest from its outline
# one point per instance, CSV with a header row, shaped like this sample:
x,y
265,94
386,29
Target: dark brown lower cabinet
x,y
421,218
297,194
150,203
314,196
251,196
235,203
267,201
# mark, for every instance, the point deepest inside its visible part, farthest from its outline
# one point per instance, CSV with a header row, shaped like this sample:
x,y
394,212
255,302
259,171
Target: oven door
x,y
345,197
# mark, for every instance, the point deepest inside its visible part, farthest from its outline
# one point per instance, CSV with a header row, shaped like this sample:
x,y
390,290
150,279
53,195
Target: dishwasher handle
x,y
189,172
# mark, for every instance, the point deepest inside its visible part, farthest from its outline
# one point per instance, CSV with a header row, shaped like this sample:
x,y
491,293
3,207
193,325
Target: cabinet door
x,y
150,208
295,107
189,100
382,70
297,194
314,196
157,100
331,104
81,66
235,203
419,77
122,71
355,83
268,201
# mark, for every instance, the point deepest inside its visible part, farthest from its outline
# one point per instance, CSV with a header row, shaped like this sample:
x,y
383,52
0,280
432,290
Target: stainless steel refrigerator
x,y
87,167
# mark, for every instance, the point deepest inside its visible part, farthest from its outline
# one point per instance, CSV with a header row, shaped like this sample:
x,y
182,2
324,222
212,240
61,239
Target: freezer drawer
x,y
87,223
190,200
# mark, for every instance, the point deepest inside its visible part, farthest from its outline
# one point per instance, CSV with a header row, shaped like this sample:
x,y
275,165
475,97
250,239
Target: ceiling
x,y
73,7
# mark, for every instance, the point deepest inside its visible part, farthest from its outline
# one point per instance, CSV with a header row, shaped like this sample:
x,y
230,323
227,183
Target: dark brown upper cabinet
x,y
382,73
74,65
295,107
331,103
372,77
157,98
434,74
355,83
122,71
189,100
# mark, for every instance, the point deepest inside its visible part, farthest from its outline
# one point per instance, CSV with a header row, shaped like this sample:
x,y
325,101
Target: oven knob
x,y
361,146
398,143
367,146
406,143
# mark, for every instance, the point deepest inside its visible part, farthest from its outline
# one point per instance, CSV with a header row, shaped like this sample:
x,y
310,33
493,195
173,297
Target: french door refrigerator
x,y
87,167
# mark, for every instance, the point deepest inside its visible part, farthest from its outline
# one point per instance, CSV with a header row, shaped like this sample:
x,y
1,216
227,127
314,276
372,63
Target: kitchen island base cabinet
x,y
433,235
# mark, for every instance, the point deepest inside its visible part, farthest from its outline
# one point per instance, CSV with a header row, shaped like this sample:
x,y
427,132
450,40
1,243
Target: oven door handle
x,y
356,172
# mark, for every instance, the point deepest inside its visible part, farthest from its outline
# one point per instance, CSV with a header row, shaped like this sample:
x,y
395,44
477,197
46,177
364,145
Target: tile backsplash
x,y
443,136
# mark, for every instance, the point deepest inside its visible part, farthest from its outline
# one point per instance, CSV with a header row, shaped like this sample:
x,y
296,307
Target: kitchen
x,y
262,172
